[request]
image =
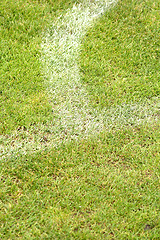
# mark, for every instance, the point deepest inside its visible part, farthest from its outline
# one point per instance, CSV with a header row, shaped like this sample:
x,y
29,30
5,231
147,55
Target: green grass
x,y
103,187
23,96
120,55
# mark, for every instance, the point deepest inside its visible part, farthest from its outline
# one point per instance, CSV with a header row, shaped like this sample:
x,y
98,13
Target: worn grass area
x,y
105,186
101,188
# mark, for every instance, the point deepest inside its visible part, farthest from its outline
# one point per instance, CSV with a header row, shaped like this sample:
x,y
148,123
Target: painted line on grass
x,y
73,118
61,47
41,136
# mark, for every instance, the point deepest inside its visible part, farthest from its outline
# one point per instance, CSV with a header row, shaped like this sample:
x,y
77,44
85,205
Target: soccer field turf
x,y
79,120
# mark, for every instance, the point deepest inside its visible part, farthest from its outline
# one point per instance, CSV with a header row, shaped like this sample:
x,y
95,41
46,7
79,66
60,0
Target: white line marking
x,y
70,99
72,115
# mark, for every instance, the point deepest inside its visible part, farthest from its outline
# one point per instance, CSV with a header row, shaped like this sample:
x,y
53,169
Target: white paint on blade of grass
x,y
42,136
72,116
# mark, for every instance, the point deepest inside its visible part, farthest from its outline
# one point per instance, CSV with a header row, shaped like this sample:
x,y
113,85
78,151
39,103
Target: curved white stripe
x,y
72,115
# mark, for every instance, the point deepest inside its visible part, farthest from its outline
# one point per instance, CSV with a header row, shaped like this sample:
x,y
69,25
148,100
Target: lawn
x,y
105,185
22,90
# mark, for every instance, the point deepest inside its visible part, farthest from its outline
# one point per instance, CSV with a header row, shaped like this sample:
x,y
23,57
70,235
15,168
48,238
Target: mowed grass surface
x,y
101,188
106,187
120,55
23,95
